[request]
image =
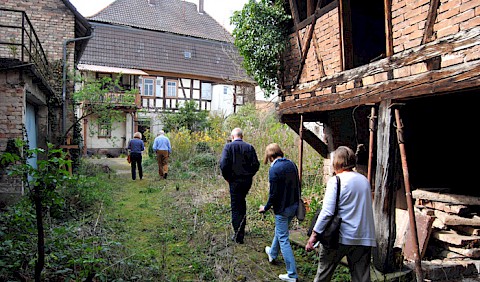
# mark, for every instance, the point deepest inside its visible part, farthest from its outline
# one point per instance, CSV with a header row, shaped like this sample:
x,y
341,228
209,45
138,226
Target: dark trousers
x,y
136,161
238,193
358,258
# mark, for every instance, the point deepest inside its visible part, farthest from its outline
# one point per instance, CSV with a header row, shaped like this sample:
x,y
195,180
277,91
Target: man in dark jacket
x,y
238,164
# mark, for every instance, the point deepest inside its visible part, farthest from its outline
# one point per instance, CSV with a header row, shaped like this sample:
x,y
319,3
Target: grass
x,y
181,228
153,229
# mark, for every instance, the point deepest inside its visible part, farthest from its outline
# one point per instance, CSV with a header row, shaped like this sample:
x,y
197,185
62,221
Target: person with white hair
x,y
163,149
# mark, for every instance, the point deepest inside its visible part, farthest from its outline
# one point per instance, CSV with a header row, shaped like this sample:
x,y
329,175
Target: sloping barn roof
x,y
175,16
126,47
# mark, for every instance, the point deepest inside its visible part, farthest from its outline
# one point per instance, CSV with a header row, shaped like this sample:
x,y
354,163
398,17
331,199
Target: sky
x,y
220,10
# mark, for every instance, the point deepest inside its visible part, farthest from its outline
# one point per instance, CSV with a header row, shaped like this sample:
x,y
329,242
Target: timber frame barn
x,y
395,80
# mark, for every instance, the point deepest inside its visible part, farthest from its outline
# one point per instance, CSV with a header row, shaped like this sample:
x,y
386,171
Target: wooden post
x,y
235,99
85,126
67,147
300,152
385,190
370,148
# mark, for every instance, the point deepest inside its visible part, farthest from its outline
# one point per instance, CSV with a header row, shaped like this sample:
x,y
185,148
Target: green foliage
x,y
17,245
103,98
246,118
260,35
160,230
74,251
188,116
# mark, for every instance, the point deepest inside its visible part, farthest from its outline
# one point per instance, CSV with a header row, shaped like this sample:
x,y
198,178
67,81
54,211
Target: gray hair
x,y
237,132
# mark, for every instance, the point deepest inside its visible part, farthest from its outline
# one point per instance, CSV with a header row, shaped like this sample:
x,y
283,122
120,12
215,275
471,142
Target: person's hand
x,y
311,242
261,209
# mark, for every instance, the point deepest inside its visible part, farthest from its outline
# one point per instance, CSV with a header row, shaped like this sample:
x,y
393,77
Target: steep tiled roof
x,y
126,47
175,16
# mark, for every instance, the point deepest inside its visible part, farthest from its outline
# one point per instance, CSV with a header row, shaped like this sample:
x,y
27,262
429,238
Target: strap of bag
x,y
338,195
299,183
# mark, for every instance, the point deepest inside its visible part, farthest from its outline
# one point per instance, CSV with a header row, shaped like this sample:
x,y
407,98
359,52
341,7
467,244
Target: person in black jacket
x,y
239,163
135,149
283,198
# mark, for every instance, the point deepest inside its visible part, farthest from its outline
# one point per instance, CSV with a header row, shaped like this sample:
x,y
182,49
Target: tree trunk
x,y
40,263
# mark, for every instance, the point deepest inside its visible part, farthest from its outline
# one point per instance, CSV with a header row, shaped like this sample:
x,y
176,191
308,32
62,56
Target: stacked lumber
x,y
456,225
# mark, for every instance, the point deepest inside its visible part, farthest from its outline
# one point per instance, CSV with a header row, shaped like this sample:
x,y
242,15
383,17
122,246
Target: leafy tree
x,y
103,99
41,182
260,35
187,117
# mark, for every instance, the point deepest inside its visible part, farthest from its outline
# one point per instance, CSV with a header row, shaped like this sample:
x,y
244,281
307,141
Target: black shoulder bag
x,y
330,236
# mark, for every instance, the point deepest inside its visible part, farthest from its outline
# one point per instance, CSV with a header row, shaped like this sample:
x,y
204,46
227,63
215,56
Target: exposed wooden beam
x,y
346,45
456,78
318,55
388,27
310,7
307,44
459,41
431,17
295,17
310,138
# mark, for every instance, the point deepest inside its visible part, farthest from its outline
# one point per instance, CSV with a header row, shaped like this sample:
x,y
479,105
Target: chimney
x,y
200,7
152,2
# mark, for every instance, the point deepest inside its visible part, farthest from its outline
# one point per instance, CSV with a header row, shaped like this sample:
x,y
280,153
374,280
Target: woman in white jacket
x,y
357,230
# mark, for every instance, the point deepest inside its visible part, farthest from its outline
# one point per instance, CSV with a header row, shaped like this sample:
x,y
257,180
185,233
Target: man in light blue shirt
x,y
162,148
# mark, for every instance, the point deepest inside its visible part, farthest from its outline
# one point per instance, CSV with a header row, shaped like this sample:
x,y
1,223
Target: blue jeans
x,y
281,240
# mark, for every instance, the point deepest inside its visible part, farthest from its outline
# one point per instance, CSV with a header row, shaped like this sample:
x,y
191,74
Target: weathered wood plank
x,y
471,252
437,223
467,230
431,17
424,230
456,209
452,237
459,41
446,198
311,139
463,76
385,192
450,255
450,219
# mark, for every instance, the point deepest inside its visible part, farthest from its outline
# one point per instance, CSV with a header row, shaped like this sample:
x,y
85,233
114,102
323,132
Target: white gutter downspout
x,y
64,80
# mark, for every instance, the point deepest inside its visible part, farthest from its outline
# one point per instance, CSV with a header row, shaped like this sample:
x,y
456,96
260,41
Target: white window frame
x,y
104,130
148,88
206,95
171,85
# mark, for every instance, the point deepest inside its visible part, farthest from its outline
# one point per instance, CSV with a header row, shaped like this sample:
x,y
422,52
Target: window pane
x,y
206,91
104,129
148,87
171,89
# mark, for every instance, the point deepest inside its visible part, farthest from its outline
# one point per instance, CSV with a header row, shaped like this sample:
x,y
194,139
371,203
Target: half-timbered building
x,y
398,81
172,52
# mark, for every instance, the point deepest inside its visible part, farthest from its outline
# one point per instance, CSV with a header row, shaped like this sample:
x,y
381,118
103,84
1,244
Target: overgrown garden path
x,y
182,227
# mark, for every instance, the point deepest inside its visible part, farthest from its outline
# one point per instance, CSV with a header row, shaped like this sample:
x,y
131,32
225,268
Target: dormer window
x,y
187,54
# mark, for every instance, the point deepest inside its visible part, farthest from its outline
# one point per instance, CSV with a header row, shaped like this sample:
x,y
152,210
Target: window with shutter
x,y
159,87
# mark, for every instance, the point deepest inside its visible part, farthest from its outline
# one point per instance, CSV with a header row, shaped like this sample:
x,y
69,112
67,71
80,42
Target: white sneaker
x,y
267,251
284,277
